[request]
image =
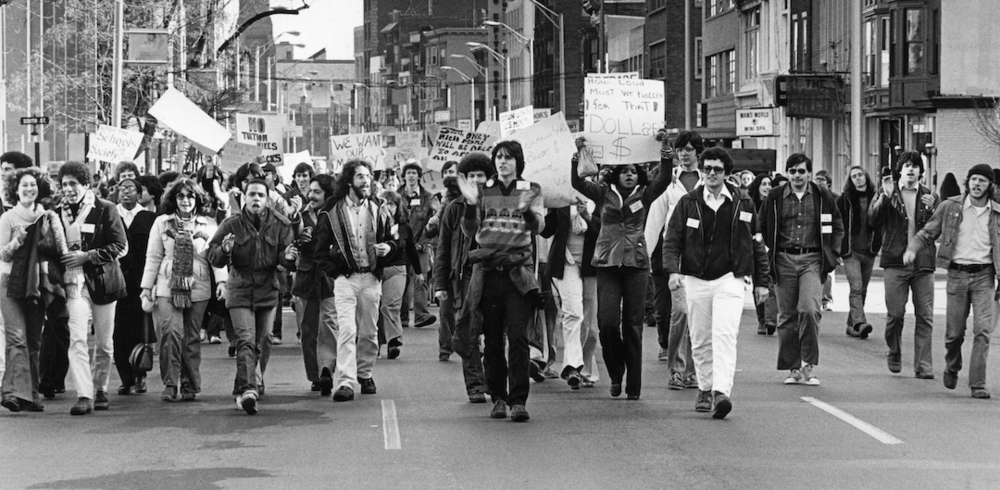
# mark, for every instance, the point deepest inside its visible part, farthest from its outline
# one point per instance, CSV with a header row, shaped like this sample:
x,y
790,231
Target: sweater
x,y
16,216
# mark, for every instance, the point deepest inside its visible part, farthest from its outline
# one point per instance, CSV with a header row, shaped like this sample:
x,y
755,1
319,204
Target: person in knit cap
x,y
969,228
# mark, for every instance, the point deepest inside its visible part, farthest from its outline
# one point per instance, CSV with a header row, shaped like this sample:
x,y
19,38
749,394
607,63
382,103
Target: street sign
x,y
29,121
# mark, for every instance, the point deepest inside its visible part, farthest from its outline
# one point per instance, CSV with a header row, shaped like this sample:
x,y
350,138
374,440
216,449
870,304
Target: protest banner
x,y
176,112
235,154
265,131
113,145
540,114
364,146
511,121
453,144
406,147
624,74
548,152
621,118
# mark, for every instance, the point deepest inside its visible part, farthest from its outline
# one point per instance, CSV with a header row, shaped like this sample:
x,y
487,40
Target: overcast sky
x,y
325,24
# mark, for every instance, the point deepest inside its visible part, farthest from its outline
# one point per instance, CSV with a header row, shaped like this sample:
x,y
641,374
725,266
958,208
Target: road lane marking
x,y
390,426
879,434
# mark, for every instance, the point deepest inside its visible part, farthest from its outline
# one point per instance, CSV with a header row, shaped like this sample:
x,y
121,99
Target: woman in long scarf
x,y
20,298
176,279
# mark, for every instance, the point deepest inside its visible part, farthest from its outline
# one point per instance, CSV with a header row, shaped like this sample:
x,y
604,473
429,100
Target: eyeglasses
x,y
685,149
714,170
793,171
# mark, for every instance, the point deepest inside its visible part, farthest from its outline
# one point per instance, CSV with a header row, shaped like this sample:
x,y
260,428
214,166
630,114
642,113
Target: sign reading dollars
x,y
621,118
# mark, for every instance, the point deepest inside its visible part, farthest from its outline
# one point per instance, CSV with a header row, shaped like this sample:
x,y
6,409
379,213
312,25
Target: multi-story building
x,y
673,53
316,92
558,81
720,38
466,102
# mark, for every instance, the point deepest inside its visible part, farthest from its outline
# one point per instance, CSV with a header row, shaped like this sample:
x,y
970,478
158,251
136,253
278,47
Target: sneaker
x,y
691,381
586,382
425,322
950,379
519,414
203,335
676,382
572,377
981,393
248,402
894,361
275,340
477,398
188,396
499,410
215,340
101,401
807,374
367,386
169,394
723,405
794,377
83,407
828,306
343,394
704,403
923,375
662,356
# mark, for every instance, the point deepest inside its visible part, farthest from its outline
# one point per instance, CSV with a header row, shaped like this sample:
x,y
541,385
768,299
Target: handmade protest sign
x,y
265,131
453,144
548,152
511,121
489,127
364,146
176,112
621,117
540,114
235,154
407,147
111,144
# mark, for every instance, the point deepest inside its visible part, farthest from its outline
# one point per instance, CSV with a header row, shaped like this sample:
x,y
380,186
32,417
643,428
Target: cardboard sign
x,y
265,131
511,121
176,112
621,118
540,114
235,154
407,147
453,144
364,146
548,152
113,145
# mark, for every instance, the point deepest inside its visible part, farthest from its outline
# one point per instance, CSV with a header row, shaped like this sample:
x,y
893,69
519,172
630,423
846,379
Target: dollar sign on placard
x,y
619,150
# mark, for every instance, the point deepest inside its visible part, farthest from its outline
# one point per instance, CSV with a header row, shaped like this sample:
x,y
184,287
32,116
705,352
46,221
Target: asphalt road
x,y
863,428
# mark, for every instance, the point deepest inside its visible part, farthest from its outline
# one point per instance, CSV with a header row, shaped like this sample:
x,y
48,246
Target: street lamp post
x,y
486,73
499,57
526,42
557,20
472,92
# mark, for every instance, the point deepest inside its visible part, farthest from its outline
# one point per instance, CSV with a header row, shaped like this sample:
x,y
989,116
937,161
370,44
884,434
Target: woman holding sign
x,y
623,194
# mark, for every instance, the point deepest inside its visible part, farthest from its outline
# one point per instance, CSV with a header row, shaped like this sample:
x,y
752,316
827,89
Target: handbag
x,y
141,357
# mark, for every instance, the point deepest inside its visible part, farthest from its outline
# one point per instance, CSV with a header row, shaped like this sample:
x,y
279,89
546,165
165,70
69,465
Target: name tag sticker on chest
x,y
826,229
87,228
693,223
636,206
746,216
523,185
826,218
414,202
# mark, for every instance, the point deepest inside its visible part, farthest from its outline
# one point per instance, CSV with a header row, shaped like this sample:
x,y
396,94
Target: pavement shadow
x,y
192,479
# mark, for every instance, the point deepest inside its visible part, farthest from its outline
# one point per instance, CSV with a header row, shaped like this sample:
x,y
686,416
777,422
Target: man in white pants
x,y
712,243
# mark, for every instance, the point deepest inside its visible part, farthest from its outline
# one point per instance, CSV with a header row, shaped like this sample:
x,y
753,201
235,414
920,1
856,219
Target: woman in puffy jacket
x,y
623,195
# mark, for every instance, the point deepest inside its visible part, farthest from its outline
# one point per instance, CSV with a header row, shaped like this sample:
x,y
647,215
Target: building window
x,y
730,57
433,56
913,44
871,42
721,74
712,85
656,4
658,60
801,52
752,42
885,51
699,59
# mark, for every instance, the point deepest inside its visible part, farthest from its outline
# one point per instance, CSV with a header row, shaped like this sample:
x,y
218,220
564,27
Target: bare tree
x,y
986,120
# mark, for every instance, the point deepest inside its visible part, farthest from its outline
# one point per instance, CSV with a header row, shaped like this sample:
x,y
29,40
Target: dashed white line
x,y
879,434
390,426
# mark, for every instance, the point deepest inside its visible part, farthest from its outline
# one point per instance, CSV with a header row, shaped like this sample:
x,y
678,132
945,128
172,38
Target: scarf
x,y
73,277
182,273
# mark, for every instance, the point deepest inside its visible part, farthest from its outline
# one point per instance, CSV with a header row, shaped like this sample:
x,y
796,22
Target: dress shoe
x,y
770,327
477,398
343,394
519,414
315,386
633,396
425,322
46,389
83,407
367,386
31,406
124,390
101,401
535,371
169,394
853,332
572,377
950,379
894,362
616,389
723,405
864,330
499,410
325,383
11,403
394,348
232,351
923,375
140,385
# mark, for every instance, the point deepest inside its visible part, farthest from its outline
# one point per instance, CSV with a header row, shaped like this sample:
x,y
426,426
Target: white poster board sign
x,y
364,146
265,131
624,74
176,112
113,145
235,154
511,121
453,144
548,152
621,118
540,114
489,127
407,147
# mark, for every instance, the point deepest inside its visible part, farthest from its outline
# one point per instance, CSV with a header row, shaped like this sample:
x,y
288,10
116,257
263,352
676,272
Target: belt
x,y
362,270
970,268
798,251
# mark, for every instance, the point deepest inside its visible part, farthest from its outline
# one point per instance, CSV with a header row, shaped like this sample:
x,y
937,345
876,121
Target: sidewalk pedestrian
x,y
861,244
712,244
803,232
902,210
969,228
767,311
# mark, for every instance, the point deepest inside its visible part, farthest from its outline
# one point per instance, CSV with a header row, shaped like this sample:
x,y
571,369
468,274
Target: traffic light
x,y
781,90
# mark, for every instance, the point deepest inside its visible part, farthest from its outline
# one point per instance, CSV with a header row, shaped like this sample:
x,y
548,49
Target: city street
x,y
863,428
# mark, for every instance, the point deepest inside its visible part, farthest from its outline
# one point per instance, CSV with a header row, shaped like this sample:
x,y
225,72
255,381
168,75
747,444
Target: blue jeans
x,y
858,268
317,319
799,290
180,344
621,297
23,320
393,285
898,283
253,346
964,290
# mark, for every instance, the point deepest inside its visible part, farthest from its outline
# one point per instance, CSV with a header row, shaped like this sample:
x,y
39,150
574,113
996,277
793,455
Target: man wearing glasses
x,y
712,243
803,232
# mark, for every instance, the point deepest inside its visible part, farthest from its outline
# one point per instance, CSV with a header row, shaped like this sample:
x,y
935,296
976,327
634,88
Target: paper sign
x,y
363,146
407,147
511,121
176,112
540,114
293,159
621,117
265,131
628,74
453,144
489,127
235,154
111,144
548,153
